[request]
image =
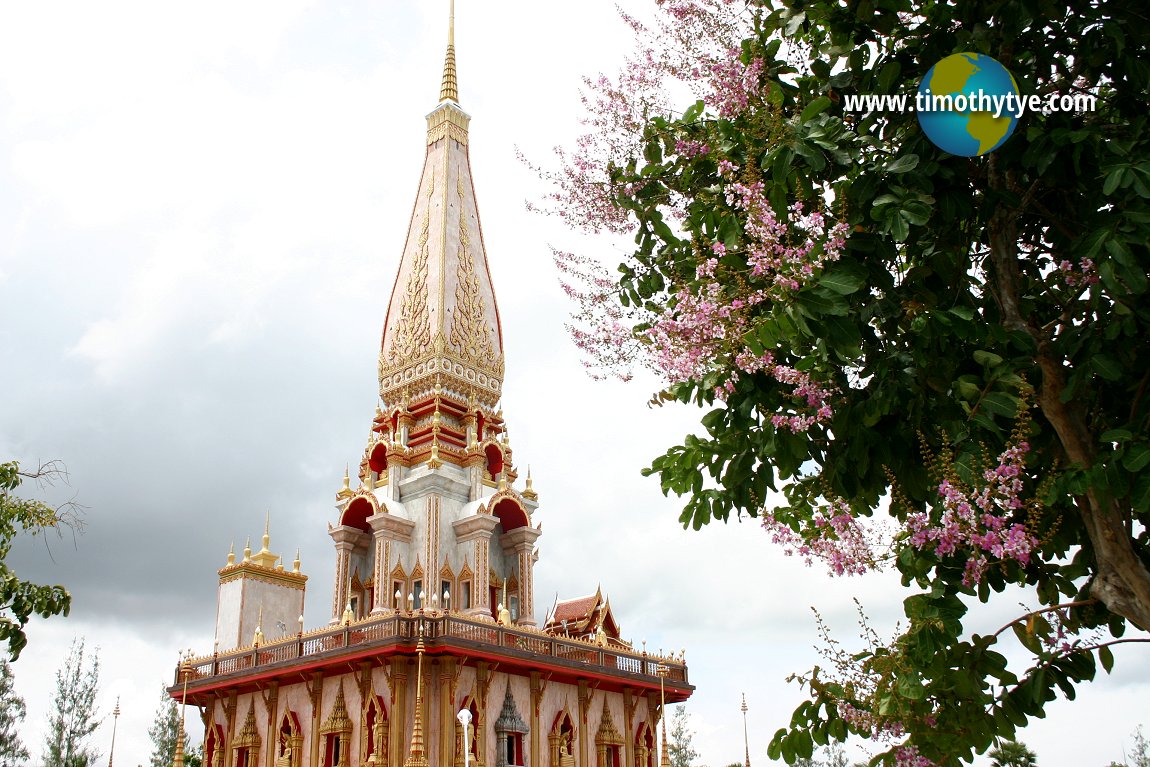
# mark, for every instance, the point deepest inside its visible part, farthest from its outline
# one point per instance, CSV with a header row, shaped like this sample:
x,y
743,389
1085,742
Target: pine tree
x,y
73,718
164,731
679,743
12,711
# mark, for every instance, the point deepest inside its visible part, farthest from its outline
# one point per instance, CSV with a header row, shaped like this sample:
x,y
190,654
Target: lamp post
x,y
464,717
115,721
662,670
178,760
746,743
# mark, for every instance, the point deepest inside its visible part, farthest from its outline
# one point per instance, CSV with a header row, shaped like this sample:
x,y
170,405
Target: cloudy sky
x,y
202,208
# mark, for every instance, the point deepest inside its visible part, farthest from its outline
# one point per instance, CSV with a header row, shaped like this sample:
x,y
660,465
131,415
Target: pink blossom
x,y
835,536
978,520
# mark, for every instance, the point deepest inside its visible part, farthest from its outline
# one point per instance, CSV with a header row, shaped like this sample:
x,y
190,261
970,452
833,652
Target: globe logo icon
x,y
957,101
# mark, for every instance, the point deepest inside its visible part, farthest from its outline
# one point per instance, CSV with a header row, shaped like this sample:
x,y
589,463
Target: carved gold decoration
x,y
447,122
607,734
249,736
413,328
337,720
470,331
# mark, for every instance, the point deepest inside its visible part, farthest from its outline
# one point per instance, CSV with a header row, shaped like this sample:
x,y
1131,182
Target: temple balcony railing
x,y
400,631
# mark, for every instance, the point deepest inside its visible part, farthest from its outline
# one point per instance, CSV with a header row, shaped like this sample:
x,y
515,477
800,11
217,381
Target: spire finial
x,y
232,553
267,532
417,753
449,90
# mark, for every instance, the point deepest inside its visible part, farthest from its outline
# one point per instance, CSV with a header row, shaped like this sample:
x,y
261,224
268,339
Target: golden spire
x,y
449,91
345,491
417,753
295,564
232,553
248,550
258,639
529,492
267,533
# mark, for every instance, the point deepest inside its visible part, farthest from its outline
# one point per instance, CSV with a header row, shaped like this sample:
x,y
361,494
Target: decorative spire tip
x,y
449,89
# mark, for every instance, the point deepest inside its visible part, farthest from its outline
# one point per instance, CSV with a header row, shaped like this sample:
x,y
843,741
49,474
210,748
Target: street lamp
x,y
464,717
115,721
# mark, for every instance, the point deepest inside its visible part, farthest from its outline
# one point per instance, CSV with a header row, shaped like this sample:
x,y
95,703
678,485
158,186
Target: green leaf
x,y
987,359
1106,366
814,109
1137,456
1117,435
1001,404
902,164
1106,658
842,281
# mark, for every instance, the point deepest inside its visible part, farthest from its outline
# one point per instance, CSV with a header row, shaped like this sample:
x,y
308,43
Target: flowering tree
x,y
942,363
20,600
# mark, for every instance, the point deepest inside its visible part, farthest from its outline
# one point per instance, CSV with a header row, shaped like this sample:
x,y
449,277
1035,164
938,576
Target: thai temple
x,y
433,654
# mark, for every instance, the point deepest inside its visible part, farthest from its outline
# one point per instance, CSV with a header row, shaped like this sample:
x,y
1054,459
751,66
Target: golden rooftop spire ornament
x,y
258,639
345,491
662,671
267,539
232,553
449,90
248,550
417,753
295,564
529,491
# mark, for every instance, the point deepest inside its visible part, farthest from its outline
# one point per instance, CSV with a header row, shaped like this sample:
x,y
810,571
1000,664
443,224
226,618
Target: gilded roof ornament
x,y
449,89
417,753
345,491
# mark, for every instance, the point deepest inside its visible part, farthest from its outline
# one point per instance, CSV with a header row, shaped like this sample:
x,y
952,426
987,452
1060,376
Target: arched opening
x,y
214,746
561,740
511,514
375,732
289,744
645,754
356,514
494,460
473,727
377,461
